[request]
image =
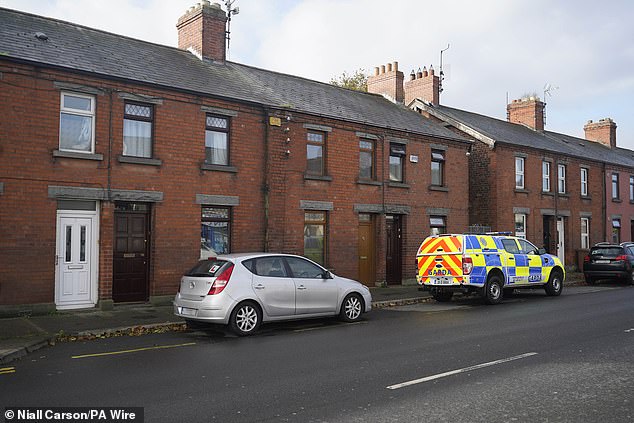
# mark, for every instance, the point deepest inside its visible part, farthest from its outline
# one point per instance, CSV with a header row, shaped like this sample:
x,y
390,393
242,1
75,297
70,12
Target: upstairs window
x,y
561,179
519,172
217,140
546,176
366,159
438,168
77,123
137,130
397,155
632,188
615,186
315,148
584,181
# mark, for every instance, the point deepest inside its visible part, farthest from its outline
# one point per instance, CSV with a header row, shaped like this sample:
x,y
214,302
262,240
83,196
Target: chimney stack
x,y
528,111
202,29
387,82
424,85
603,131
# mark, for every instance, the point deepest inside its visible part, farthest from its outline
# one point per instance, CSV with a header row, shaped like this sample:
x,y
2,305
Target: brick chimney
x,y
528,111
388,82
603,131
202,29
424,85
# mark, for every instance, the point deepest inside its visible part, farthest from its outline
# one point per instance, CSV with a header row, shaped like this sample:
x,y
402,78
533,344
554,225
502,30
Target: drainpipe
x,y
109,189
266,188
604,217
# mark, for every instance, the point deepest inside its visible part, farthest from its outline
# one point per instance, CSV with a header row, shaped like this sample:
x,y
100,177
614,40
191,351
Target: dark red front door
x,y
130,273
394,264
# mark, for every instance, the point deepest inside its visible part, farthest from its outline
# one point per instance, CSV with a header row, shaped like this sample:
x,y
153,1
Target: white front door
x,y
560,239
75,261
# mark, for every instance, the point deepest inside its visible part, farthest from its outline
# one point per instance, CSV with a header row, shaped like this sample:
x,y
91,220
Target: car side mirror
x,y
326,275
541,251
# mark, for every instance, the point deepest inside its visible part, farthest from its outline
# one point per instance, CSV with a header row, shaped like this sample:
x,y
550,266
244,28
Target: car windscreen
x,y
209,268
607,251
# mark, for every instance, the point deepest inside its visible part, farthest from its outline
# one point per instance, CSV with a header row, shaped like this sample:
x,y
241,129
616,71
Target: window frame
x,y
228,220
520,172
546,185
520,234
226,131
322,146
584,181
437,225
78,112
137,118
631,188
372,152
317,222
401,158
440,161
585,236
616,194
561,178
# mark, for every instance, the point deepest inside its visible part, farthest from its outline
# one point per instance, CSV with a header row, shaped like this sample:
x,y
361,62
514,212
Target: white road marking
x,y
629,330
463,370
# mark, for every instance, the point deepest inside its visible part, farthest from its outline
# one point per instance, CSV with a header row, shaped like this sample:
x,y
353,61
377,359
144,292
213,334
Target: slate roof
x,y
84,49
522,136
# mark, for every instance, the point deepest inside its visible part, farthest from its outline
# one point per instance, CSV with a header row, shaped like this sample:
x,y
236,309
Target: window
x,y
526,247
217,140
304,269
520,225
437,168
519,172
315,236
397,153
585,232
437,225
366,159
615,186
137,130
632,188
546,176
272,267
510,246
215,232
616,231
561,179
315,153
584,181
77,123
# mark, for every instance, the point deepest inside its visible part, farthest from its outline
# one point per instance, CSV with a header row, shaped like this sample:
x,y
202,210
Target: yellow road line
x,y
7,370
156,347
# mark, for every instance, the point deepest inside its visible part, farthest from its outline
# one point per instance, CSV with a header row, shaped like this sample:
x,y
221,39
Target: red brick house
x,y
122,162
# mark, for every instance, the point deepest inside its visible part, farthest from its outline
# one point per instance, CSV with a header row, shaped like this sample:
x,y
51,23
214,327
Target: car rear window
x,y
210,268
607,251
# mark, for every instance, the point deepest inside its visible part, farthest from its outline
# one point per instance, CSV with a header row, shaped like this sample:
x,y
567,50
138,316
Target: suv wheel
x,y
555,283
493,291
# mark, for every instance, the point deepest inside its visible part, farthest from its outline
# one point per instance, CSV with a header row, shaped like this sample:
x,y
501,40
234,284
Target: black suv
x,y
609,261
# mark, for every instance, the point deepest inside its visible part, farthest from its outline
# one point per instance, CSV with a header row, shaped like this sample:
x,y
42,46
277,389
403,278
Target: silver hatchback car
x,y
244,290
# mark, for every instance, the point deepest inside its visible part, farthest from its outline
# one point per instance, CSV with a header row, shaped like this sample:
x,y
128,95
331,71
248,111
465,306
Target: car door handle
x,y
259,286
302,287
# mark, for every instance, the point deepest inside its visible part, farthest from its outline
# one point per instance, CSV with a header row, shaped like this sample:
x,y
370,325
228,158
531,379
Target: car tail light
x,y
622,257
586,259
467,265
221,281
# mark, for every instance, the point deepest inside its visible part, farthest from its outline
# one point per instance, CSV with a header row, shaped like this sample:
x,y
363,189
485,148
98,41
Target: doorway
x,y
367,250
561,251
394,263
131,252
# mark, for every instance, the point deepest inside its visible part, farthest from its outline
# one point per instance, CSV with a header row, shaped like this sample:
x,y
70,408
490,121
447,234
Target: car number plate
x,y
188,311
602,261
441,281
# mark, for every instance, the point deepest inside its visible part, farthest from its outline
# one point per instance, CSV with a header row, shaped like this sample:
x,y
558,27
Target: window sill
x,y
219,168
548,193
563,195
318,177
74,155
397,185
139,160
368,182
522,190
586,197
438,188
617,200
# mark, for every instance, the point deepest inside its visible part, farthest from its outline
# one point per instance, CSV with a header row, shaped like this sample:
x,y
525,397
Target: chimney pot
x,y
412,76
376,71
395,66
389,67
382,69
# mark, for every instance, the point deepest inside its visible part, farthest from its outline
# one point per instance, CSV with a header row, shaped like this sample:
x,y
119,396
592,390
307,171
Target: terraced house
x,y
122,162
559,191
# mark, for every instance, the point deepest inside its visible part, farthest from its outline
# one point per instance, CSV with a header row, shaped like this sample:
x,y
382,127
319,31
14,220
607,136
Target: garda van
x,y
489,265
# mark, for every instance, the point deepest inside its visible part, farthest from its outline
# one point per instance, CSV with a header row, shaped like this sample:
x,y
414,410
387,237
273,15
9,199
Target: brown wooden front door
x,y
367,248
130,261
394,264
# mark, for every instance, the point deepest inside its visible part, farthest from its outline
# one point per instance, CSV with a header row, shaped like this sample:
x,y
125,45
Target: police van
x,y
490,265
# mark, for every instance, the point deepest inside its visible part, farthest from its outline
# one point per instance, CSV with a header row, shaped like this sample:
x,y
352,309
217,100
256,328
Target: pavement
x,y
20,336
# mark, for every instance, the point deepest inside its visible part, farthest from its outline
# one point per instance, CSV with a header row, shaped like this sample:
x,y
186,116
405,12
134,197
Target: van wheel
x,y
245,319
555,284
442,296
493,291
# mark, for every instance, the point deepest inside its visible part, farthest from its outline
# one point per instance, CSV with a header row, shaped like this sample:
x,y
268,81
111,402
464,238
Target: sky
x,y
499,50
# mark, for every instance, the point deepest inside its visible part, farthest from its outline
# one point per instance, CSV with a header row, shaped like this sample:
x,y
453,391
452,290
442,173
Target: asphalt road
x,y
533,358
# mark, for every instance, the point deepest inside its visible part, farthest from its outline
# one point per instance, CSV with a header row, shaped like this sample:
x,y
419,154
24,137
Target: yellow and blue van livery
x,y
488,264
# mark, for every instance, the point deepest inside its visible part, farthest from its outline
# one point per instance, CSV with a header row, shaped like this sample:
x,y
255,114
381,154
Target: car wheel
x,y
493,291
442,296
631,279
351,308
555,283
245,319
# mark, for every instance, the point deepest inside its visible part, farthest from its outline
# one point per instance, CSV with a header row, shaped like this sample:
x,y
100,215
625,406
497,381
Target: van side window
x,y
526,247
510,246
